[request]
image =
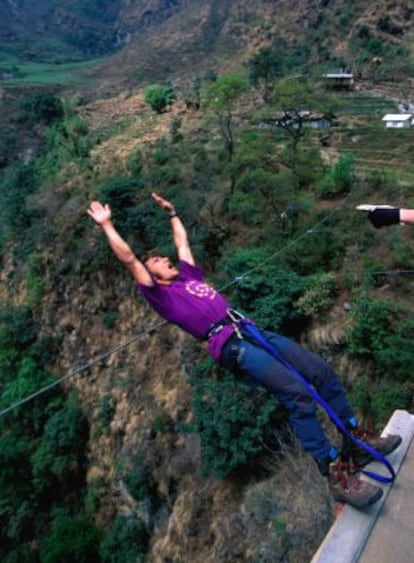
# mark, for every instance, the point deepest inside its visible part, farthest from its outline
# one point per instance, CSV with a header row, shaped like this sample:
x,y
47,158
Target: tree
x,y
231,419
126,541
70,538
265,294
59,457
159,96
298,102
267,65
221,97
192,94
15,214
340,178
44,106
121,194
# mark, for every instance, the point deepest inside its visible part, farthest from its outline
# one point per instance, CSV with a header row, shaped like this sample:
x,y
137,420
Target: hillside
x,y
145,451
223,35
48,30
156,39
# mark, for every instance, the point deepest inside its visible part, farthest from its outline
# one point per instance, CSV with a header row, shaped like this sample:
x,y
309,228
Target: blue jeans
x,y
257,366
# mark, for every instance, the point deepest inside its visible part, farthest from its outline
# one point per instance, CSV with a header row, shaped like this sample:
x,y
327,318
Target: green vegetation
x,y
126,542
231,419
159,96
71,538
42,465
47,74
221,97
269,205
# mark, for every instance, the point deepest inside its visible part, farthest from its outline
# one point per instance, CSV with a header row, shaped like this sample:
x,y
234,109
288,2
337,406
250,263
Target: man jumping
x,y
181,296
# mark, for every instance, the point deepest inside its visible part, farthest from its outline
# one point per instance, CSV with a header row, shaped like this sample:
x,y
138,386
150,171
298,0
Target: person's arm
x,y
101,214
385,215
407,215
180,237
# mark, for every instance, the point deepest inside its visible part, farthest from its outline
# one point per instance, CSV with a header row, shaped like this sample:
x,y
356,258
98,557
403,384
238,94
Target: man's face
x,y
161,268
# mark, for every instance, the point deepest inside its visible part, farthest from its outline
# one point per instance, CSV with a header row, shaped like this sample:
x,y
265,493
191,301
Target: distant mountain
x,y
145,40
57,29
370,38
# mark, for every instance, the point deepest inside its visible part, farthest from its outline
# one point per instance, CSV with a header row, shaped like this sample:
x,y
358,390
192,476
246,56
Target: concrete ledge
x,y
348,535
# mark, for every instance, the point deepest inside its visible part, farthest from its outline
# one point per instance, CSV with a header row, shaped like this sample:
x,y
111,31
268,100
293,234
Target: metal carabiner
x,y
235,318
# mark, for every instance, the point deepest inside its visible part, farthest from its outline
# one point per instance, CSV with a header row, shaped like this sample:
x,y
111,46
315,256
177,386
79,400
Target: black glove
x,y
381,215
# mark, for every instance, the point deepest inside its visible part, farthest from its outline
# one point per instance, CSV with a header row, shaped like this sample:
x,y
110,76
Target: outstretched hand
x,y
162,202
381,215
99,213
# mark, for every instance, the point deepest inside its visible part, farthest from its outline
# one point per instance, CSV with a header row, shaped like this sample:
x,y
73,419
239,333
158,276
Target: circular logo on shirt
x,y
200,289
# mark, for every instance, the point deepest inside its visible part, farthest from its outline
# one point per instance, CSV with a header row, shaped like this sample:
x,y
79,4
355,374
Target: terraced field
x,y
361,130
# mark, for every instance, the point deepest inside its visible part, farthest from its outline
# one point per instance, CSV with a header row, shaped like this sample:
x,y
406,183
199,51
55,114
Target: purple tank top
x,y
191,304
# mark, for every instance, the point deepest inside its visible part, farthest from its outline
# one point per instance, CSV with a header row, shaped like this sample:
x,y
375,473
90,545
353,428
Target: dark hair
x,y
149,254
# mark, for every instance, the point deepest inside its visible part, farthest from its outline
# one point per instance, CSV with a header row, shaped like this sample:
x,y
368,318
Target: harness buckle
x,y
235,318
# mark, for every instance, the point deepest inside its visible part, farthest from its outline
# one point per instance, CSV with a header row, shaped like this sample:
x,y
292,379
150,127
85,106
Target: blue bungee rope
x,y
255,333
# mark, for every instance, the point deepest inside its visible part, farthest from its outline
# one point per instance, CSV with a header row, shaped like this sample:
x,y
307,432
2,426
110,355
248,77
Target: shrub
x,y
386,397
265,290
138,479
21,554
135,162
372,324
15,213
396,356
126,541
401,250
340,178
231,419
60,453
44,106
17,327
106,410
34,279
159,96
121,195
243,206
8,147
28,379
320,249
268,64
319,295
70,538
175,127
275,190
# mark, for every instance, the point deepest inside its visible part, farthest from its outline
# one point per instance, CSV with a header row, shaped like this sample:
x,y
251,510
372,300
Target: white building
x,y
340,80
398,120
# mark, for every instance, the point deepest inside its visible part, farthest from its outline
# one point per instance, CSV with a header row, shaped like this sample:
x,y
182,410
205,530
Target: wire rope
x,y
81,368
137,337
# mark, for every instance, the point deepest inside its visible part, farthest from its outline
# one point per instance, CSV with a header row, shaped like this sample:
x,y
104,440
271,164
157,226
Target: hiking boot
x,y
346,487
384,445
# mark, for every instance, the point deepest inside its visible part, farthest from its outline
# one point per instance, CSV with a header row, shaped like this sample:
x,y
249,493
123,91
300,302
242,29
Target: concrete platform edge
x,y
348,535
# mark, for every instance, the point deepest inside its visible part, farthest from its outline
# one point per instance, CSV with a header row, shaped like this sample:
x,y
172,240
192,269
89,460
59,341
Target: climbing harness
x,y
251,329
215,328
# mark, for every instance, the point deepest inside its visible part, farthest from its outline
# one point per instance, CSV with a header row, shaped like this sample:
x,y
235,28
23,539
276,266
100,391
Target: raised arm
x,y
180,237
101,214
385,215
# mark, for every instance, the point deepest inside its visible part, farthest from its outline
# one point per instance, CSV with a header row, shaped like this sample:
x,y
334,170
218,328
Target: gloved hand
x,y
381,215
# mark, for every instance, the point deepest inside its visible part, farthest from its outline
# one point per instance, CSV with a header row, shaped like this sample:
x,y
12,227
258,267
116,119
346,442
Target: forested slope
x,y
148,451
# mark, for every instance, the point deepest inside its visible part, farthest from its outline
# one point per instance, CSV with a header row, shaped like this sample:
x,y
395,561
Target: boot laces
x,y
345,473
364,434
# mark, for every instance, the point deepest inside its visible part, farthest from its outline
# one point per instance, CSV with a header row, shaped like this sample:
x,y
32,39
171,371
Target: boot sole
x,y
372,500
